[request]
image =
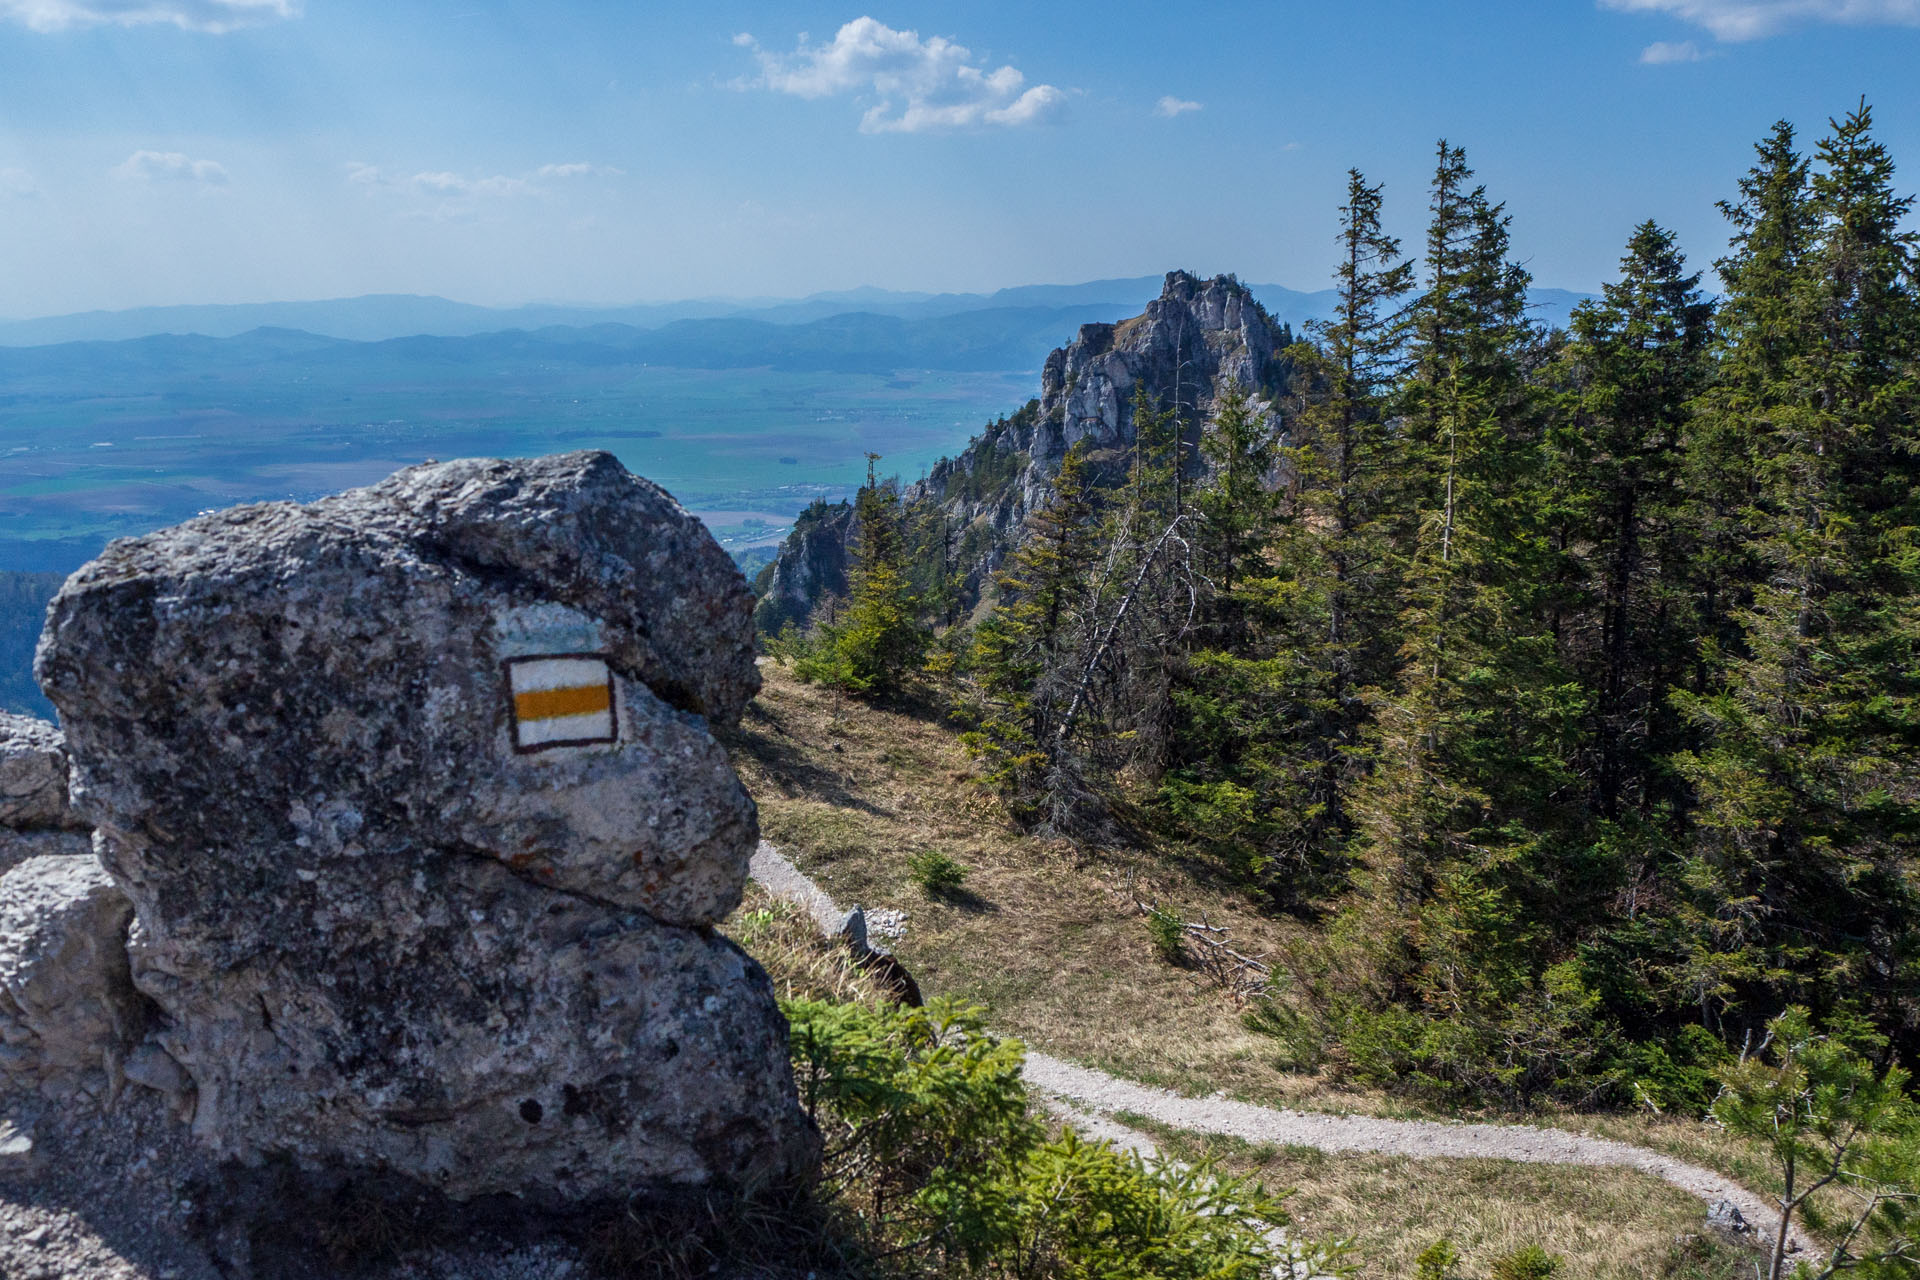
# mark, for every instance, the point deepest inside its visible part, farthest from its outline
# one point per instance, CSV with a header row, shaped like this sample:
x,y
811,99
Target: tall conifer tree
x,y
1636,360
1273,720
1465,826
1808,774
1025,651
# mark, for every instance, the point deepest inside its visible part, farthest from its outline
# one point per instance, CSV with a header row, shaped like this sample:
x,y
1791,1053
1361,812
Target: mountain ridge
x,y
376,317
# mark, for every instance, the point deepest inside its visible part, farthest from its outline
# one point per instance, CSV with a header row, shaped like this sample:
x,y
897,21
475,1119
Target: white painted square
x,y
561,700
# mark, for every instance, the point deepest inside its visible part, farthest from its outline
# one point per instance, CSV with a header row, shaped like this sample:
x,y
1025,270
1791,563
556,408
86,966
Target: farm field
x,y
93,452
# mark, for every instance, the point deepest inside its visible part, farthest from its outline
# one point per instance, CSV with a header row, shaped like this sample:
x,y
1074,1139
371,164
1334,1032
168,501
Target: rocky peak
x,y
1190,343
1195,339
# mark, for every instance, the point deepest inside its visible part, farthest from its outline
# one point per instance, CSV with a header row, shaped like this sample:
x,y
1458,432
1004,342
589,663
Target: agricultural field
x,y
121,438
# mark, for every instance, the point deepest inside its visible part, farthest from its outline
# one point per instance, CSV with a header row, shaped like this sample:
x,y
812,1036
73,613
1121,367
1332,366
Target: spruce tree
x,y
1025,651
1467,834
1757,327
1346,456
1232,780
1236,510
1635,363
1269,739
1807,773
878,641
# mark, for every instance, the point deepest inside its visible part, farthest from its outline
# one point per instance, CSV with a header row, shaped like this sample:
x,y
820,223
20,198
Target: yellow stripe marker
x,y
545,704
561,700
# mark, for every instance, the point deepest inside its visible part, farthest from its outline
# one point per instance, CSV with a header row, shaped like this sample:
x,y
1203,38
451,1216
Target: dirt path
x,y
1095,1095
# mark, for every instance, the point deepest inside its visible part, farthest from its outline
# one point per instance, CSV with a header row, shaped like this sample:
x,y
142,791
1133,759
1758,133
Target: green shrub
x,y
930,1146
787,646
1168,934
1678,1074
1436,1261
936,872
1529,1262
1301,1037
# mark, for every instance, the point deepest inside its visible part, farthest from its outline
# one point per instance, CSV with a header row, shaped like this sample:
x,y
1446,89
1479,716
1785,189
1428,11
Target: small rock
x,y
154,1067
67,1001
887,923
33,774
1725,1216
17,846
854,929
16,1151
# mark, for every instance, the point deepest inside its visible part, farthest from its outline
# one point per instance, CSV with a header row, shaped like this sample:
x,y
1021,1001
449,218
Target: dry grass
x,y
803,964
1050,941
1047,940
1615,1225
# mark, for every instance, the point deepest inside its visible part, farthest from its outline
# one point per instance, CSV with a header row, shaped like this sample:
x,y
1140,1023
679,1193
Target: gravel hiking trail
x,y
1095,1095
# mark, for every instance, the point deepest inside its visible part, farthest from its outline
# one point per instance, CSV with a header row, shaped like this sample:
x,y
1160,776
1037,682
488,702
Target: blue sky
x,y
168,151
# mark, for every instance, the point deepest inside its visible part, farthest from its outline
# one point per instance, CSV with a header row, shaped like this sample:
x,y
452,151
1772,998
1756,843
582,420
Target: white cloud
x,y
577,169
454,184
215,16
18,183
1661,52
921,85
441,194
444,182
1737,20
169,166
1171,106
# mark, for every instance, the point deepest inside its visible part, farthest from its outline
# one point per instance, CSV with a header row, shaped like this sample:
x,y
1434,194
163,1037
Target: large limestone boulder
x,y
413,791
68,1010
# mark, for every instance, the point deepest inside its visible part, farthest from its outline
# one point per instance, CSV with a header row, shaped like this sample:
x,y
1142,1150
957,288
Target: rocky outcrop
x,y
1194,340
811,565
68,1010
413,794
35,818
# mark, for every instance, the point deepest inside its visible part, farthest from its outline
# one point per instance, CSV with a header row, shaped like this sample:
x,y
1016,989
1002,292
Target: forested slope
x,y
1565,680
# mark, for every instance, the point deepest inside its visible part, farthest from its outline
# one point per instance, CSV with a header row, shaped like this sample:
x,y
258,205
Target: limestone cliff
x,y
1194,340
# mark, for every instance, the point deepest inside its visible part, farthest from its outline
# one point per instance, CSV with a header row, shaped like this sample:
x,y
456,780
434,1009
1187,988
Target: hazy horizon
x,y
201,152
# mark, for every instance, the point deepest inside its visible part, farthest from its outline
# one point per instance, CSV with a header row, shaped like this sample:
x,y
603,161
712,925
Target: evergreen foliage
x,y
1569,680
930,1143
1573,676
1025,648
880,641
1828,1116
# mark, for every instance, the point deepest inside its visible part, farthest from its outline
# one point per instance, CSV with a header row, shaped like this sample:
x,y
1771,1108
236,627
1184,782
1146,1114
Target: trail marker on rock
x,y
389,921
565,700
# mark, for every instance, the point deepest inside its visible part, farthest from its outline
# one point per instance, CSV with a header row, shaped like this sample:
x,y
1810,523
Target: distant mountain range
x,y
377,317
